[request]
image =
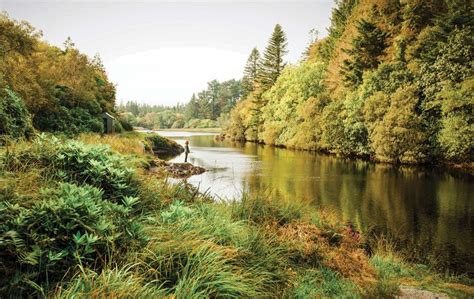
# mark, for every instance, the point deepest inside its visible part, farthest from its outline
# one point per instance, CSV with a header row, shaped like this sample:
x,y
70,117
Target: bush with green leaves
x,y
15,121
201,123
125,123
68,225
457,122
75,162
162,146
70,121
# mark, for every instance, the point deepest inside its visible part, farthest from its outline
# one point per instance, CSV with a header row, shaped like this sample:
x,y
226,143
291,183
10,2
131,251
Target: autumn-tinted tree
x,y
405,94
62,89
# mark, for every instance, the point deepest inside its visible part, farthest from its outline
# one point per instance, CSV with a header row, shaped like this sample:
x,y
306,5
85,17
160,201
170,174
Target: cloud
x,y
169,75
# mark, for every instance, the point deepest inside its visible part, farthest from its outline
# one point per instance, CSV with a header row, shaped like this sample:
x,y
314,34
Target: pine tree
x,y
251,72
192,108
272,64
367,47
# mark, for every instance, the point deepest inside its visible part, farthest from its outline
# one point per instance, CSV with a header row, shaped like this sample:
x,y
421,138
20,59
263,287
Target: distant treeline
x,y
46,88
393,81
208,109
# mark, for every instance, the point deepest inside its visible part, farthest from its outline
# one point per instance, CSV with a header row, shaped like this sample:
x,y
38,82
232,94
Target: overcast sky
x,y
160,52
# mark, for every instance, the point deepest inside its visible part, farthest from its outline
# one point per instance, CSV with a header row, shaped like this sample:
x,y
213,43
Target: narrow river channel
x,y
430,213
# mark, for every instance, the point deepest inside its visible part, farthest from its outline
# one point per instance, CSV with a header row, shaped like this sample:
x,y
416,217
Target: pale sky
x,y
160,52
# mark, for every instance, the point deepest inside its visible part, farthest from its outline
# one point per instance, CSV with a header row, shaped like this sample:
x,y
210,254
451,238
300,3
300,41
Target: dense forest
x,y
47,88
208,109
393,81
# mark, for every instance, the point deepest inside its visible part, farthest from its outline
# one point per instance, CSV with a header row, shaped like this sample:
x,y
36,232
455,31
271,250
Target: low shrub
x,y
15,121
162,146
75,162
125,123
67,226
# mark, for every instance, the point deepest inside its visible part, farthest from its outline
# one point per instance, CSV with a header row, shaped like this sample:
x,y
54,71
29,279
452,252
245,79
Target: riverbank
x,y
465,167
98,224
207,130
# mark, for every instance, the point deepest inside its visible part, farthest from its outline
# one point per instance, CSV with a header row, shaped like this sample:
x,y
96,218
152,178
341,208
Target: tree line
x,y
208,108
392,82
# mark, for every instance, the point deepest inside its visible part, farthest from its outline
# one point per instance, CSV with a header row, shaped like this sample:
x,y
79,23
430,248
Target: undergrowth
x,y
84,219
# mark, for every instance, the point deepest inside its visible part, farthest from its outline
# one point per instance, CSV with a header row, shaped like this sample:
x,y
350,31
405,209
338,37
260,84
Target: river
x,y
429,213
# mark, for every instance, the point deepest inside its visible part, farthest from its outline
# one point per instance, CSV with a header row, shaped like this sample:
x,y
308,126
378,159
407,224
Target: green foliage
x,y
63,90
455,136
323,283
449,61
272,63
16,37
399,137
340,15
179,123
70,121
333,137
193,243
163,146
251,70
366,50
197,270
404,96
71,235
285,102
110,283
15,121
201,123
67,226
202,111
75,162
260,209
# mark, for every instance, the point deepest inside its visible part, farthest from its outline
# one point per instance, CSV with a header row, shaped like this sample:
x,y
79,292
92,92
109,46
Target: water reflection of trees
x,y
421,207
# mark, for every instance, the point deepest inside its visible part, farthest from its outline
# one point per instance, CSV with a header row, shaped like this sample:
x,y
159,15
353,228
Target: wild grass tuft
x,y
261,209
323,283
117,283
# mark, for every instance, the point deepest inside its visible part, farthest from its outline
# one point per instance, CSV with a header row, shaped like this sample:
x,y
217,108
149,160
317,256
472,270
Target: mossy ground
x,y
81,219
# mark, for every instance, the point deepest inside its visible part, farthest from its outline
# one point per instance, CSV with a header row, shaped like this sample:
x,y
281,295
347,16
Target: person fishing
x,y
186,151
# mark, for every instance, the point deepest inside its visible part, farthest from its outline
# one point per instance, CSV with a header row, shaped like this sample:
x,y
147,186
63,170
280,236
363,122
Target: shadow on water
x,y
427,211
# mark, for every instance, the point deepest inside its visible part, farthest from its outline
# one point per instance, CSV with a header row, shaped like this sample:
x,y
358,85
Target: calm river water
x,y
429,212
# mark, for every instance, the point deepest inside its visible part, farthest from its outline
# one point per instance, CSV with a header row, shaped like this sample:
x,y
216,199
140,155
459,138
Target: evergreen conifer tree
x,y
272,62
251,72
367,47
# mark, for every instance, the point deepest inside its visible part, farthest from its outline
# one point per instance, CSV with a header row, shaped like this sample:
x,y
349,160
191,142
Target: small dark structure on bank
x,y
108,123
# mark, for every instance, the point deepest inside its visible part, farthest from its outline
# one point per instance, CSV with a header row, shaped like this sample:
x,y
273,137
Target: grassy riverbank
x,y
84,218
